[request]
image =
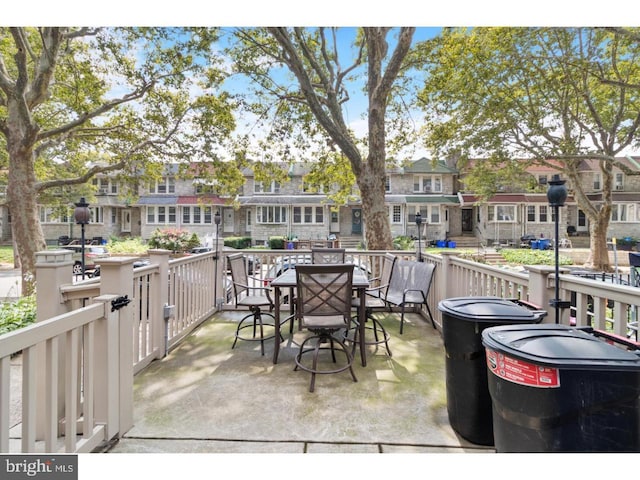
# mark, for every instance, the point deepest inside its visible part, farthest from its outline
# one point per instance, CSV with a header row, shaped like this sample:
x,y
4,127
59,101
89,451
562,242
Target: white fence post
x,y
116,278
53,269
161,293
541,289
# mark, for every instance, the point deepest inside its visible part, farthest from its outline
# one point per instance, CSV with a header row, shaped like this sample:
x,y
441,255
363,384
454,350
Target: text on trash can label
x,y
523,373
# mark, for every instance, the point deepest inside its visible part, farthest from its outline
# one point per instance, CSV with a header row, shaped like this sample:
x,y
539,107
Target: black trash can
x,y
555,388
463,320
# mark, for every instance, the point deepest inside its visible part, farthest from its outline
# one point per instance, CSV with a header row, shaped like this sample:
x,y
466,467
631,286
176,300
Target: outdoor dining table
x,y
288,280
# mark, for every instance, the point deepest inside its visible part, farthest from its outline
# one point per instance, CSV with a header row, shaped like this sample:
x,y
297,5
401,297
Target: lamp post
x,y
81,215
557,194
418,224
216,220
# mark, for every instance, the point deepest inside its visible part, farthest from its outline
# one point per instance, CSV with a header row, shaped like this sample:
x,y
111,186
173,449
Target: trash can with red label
x,y
463,320
556,388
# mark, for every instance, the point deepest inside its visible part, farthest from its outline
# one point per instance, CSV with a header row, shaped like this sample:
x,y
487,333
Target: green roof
x,y
432,199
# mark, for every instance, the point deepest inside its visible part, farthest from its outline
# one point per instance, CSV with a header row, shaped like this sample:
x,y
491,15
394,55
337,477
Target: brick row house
x,y
291,209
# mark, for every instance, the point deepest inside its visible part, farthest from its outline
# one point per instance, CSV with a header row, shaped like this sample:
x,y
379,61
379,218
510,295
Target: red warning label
x,y
524,373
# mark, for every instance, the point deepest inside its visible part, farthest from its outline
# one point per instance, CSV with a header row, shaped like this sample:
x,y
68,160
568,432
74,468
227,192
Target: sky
x,y
326,13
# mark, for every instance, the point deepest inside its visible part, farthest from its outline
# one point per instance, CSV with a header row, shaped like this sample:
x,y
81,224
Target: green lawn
x,y
6,254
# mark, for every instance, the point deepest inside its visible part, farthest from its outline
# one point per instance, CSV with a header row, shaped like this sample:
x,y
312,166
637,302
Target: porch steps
x,y
494,258
465,241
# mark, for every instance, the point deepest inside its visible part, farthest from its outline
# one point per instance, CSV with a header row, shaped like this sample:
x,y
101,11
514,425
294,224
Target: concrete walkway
x,y
205,397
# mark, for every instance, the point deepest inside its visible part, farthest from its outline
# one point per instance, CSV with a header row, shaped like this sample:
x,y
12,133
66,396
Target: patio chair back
x,y
327,255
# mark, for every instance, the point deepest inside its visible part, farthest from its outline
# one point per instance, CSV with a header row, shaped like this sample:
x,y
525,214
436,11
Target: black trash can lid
x,y
490,309
558,346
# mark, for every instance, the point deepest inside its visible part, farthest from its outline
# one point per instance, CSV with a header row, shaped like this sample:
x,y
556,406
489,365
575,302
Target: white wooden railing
x,y
171,297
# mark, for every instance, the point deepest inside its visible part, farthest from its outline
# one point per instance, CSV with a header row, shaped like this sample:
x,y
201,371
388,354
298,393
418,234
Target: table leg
x,y
276,347
362,317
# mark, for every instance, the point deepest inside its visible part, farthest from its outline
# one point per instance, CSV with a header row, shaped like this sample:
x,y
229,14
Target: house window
x,y
164,185
396,214
502,213
619,181
161,215
597,181
271,214
427,183
105,186
197,215
273,187
625,212
542,179
302,215
430,213
54,215
543,213
387,184
531,213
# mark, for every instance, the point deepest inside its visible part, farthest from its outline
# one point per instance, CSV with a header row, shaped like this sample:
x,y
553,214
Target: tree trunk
x,y
22,198
599,252
375,212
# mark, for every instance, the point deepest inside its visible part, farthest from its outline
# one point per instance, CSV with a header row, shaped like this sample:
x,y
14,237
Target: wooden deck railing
x,y
66,405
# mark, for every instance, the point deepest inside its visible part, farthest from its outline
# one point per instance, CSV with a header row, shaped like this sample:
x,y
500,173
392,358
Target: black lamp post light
x,y
81,214
418,225
557,194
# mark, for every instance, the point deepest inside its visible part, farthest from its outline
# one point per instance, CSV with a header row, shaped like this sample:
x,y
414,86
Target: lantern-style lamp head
x,y
557,192
216,218
81,213
418,219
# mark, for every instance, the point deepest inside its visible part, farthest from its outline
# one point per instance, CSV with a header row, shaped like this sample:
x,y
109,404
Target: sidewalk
x,y
10,283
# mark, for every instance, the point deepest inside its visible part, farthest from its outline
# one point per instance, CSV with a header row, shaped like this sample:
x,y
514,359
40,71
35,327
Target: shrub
x,y
524,256
276,243
18,314
403,243
175,240
127,246
238,242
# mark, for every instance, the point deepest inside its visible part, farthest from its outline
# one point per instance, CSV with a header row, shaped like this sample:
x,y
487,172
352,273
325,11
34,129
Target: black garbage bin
x,y
463,320
556,388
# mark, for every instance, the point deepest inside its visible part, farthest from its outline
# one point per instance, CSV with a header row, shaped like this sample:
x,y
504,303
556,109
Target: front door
x,y
125,220
356,221
467,220
583,224
227,220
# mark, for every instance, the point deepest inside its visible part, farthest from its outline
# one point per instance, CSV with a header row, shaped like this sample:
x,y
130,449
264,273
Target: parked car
x,y
91,254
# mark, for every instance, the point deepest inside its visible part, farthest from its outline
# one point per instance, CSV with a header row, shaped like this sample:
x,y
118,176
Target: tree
x,y
75,102
521,96
303,90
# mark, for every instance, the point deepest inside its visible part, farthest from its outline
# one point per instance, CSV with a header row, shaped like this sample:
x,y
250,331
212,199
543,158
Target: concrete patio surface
x,y
206,397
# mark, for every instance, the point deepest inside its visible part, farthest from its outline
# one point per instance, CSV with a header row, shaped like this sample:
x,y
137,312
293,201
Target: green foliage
x,y
237,242
125,246
403,242
627,241
525,256
6,254
18,314
276,243
175,240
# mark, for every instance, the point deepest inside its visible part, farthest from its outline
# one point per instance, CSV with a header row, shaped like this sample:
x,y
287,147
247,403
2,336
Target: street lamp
x,y
81,214
557,194
418,224
216,220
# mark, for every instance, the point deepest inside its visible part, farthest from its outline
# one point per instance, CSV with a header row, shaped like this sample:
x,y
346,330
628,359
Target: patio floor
x,y
205,397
